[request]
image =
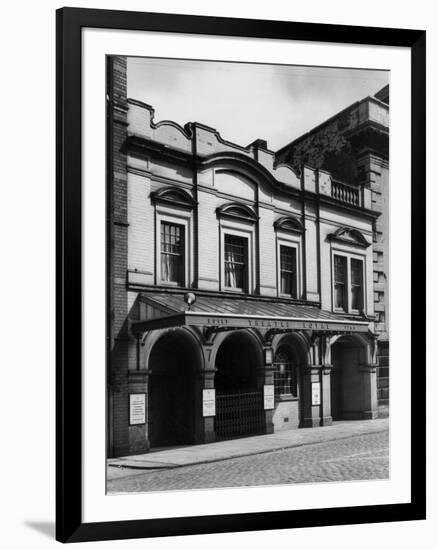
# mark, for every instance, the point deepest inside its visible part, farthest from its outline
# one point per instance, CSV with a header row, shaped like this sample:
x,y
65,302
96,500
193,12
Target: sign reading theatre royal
x,y
296,324
237,321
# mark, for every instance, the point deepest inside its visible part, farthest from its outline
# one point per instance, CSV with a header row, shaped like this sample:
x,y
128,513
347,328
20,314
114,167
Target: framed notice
x,y
203,267
269,397
208,402
137,408
315,393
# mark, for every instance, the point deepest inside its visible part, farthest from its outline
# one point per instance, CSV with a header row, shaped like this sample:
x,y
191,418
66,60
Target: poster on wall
x,y
208,402
315,395
137,408
269,397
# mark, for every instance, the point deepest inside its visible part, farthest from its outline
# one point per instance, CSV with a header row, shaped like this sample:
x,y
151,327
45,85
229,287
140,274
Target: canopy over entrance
x,y
165,310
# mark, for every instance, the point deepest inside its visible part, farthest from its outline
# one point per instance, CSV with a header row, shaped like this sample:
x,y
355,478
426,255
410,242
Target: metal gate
x,y
239,414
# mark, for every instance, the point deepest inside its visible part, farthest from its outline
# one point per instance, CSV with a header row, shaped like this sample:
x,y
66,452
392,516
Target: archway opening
x,y
238,383
285,372
347,380
289,359
173,363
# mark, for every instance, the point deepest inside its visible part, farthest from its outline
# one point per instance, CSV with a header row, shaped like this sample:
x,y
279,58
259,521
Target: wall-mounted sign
x,y
208,402
268,356
269,397
137,408
315,393
218,321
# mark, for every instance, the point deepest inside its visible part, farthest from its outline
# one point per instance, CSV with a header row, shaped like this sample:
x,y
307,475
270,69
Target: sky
x,y
245,101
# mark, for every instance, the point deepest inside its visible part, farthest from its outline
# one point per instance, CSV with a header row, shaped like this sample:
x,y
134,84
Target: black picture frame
x,y
69,524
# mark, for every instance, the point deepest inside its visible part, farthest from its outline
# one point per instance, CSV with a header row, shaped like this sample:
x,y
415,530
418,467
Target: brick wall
x,y
141,227
119,340
208,228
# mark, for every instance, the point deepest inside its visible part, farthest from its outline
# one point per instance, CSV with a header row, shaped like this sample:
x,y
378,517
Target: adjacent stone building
x,y
353,146
242,284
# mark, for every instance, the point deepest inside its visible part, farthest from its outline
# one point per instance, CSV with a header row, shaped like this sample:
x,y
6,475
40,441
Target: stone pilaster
x,y
204,426
311,414
325,379
370,397
138,382
265,377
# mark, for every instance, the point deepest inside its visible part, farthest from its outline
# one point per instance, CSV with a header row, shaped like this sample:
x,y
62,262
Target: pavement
x,y
356,458
177,457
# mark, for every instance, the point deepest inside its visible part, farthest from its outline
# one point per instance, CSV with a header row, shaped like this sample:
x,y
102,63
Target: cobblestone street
x,y
353,458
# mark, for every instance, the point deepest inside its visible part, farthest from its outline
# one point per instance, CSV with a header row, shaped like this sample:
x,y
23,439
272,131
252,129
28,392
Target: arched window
x,y
284,373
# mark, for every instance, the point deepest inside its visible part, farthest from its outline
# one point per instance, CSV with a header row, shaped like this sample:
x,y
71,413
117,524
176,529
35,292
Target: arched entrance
x,y
351,380
173,363
238,384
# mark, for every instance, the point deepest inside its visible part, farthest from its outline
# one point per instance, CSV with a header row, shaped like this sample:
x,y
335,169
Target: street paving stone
x,y
360,457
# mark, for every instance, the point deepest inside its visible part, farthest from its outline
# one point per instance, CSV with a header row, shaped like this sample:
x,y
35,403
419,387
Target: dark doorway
x,y
347,383
337,382
239,397
172,391
336,394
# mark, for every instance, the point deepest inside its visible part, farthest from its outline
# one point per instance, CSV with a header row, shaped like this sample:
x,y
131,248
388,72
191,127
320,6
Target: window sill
x,y
353,313
171,284
286,397
235,290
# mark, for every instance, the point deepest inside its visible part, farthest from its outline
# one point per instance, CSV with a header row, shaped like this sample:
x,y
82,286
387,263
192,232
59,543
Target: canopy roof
x,y
170,310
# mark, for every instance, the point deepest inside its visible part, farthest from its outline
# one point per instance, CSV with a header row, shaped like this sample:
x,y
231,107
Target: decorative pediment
x,y
174,196
289,223
237,210
349,236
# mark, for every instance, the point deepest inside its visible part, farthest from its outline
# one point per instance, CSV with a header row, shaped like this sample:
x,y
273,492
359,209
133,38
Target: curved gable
x,y
253,170
174,196
348,235
289,223
237,210
287,175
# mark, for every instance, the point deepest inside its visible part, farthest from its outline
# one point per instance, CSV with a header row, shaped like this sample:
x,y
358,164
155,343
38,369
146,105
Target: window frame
x,y
349,257
352,284
236,230
169,215
294,291
345,283
245,264
181,255
291,241
292,395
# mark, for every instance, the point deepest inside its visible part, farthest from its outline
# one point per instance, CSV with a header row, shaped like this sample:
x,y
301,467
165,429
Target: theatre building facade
x,y
240,289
